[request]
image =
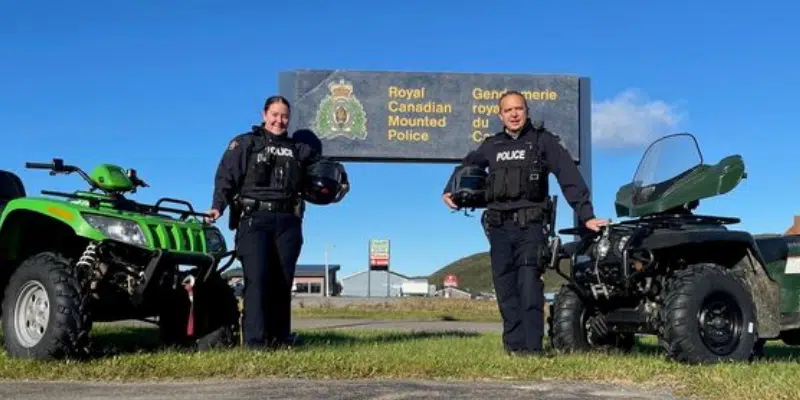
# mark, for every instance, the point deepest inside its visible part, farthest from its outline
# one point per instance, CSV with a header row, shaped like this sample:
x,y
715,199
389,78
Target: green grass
x,y
130,354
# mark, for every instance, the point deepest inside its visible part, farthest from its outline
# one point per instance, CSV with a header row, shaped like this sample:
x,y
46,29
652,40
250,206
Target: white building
x,y
379,284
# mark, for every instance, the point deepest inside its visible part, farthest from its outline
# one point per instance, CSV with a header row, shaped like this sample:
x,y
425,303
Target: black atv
x,y
705,290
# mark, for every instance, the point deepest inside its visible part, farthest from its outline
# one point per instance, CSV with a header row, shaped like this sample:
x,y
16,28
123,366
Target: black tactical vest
x,y
273,170
519,172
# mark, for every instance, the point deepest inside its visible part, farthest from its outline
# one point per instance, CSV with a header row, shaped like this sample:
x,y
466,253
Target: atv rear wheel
x,y
46,310
571,331
709,316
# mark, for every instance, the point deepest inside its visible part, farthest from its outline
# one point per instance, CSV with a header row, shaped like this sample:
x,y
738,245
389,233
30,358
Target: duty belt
x,y
520,216
253,205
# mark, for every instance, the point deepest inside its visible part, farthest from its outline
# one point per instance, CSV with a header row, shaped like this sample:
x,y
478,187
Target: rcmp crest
x,y
340,113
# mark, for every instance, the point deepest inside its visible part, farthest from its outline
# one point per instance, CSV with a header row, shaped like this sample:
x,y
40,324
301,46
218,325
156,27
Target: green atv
x,y
72,259
709,293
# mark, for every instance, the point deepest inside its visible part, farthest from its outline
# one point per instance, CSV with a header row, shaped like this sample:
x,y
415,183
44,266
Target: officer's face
x,y
513,112
276,118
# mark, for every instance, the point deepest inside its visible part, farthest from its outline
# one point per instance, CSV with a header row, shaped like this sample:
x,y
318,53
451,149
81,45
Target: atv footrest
x,y
626,320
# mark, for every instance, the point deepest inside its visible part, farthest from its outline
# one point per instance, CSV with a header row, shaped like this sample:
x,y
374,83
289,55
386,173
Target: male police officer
x,y
261,178
519,159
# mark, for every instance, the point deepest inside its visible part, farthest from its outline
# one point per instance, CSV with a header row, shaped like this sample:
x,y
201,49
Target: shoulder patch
x,y
232,145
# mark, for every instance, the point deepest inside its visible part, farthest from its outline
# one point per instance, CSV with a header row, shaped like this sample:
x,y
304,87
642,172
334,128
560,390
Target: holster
x,y
236,214
299,208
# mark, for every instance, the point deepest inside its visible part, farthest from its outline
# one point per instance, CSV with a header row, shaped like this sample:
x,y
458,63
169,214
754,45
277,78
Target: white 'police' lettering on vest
x,y
509,155
277,151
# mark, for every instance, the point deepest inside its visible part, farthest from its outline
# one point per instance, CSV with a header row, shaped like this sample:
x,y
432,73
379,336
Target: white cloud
x,y
632,120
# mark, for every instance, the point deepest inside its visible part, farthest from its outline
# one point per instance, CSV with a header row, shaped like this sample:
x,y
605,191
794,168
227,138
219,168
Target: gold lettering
x,y
426,121
478,136
402,93
413,101
485,94
485,109
540,94
408,135
428,107
494,94
480,123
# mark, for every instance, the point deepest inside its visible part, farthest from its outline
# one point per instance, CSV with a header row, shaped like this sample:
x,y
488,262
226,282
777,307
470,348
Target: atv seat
x,y
773,248
10,188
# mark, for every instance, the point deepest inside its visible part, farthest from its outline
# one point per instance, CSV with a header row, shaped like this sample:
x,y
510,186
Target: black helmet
x,y
469,189
323,180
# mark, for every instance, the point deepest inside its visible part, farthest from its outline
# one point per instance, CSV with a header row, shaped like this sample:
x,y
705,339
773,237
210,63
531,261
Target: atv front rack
x,y
183,213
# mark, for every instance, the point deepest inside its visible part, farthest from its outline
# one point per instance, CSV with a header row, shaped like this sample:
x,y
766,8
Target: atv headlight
x,y
602,247
621,244
214,240
119,229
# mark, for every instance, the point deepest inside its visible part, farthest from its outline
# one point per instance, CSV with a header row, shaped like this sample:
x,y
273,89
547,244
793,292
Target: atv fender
x,y
736,250
14,217
21,234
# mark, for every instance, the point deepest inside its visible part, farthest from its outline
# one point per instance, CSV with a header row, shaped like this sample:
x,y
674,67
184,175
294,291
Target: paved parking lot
x,y
301,389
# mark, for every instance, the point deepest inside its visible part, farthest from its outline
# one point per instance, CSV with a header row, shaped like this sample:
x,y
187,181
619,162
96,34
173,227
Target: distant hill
x,y
474,273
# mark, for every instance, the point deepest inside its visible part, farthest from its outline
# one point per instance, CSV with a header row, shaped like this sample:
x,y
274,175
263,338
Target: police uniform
x,y
260,178
516,211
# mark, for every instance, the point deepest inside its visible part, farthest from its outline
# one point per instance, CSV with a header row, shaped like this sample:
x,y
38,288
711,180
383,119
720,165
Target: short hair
x,y
511,93
276,99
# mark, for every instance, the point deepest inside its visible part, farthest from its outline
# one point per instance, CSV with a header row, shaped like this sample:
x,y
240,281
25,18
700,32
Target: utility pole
x,y
327,275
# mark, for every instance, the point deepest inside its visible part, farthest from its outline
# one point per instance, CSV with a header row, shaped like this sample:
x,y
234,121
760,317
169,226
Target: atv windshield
x,y
663,163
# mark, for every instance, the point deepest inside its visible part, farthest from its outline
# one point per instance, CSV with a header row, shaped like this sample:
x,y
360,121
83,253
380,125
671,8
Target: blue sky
x,y
163,86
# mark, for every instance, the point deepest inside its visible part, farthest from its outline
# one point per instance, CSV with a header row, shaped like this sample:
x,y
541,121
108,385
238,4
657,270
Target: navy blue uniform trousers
x,y
516,273
268,244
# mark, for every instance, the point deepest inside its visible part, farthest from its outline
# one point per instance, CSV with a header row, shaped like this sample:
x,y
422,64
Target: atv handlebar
x,y
56,166
34,165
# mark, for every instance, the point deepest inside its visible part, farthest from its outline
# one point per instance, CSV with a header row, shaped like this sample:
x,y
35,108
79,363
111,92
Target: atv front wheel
x,y
571,331
709,316
46,310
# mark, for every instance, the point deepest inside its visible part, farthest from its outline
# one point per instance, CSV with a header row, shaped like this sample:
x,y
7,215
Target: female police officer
x,y
261,177
519,159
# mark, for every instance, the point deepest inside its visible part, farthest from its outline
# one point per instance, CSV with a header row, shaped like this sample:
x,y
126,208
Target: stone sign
x,y
426,117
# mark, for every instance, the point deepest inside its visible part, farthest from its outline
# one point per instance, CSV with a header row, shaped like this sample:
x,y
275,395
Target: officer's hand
x,y
212,216
448,199
595,223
